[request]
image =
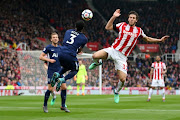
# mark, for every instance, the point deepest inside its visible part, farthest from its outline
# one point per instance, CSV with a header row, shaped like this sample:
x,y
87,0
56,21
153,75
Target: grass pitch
x,y
91,107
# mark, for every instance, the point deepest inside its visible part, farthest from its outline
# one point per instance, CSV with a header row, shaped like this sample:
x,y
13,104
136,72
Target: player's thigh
x,y
83,81
69,62
121,67
101,54
63,86
121,75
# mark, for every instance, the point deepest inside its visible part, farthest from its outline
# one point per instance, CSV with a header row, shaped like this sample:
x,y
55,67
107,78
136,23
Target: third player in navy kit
x,y
73,43
52,51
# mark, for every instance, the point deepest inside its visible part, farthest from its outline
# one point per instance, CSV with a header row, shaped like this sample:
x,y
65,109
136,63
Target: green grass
x,y
91,107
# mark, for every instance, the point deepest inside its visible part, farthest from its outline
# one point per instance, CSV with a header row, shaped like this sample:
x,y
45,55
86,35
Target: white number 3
x,y
71,39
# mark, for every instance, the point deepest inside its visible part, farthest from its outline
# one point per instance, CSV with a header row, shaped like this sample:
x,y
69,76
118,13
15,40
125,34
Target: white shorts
x,y
120,60
158,83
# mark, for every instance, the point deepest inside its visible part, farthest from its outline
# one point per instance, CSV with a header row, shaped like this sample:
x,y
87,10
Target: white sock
x,y
53,94
163,93
150,93
119,86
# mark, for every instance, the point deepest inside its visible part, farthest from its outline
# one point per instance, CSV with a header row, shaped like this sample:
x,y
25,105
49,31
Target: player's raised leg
x,y
101,54
122,78
70,75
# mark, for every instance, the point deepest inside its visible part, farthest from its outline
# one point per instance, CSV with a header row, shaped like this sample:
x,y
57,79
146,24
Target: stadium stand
x,y
9,67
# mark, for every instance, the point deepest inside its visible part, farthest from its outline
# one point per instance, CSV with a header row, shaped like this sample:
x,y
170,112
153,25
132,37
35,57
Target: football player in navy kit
x,y
74,41
53,66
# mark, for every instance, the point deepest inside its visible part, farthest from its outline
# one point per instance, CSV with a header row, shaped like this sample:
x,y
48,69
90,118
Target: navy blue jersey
x,y
73,40
52,53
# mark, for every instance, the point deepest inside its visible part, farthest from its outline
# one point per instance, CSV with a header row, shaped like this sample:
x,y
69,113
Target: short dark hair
x,y
135,13
80,25
53,33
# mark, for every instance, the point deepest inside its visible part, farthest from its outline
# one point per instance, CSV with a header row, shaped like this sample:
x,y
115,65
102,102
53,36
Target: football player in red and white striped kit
x,y
158,69
122,46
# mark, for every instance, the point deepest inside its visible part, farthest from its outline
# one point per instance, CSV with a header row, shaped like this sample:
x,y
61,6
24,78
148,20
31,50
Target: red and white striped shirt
x,y
127,39
158,69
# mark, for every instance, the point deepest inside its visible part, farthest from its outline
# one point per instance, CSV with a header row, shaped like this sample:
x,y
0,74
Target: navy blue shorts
x,y
68,62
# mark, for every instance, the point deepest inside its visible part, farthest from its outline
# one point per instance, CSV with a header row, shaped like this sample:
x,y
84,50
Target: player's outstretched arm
x,y
150,39
42,57
109,25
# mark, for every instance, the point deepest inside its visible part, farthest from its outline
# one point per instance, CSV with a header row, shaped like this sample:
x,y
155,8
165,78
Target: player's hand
x,y
163,72
164,38
80,53
52,61
117,13
86,77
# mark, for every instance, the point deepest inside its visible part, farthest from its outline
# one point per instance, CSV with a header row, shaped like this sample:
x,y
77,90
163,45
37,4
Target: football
x,y
87,14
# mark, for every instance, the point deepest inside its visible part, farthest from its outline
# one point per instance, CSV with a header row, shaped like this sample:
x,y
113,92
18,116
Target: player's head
x,y
158,58
79,25
80,62
54,38
133,18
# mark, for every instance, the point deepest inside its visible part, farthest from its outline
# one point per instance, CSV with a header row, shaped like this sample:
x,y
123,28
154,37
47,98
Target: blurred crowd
x,y
19,24
9,68
25,69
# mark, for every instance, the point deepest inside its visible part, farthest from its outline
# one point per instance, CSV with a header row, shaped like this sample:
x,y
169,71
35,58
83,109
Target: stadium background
x,y
26,26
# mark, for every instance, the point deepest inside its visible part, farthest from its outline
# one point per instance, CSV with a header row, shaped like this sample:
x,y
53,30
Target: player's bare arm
x,y
45,66
150,39
109,25
151,73
164,71
42,57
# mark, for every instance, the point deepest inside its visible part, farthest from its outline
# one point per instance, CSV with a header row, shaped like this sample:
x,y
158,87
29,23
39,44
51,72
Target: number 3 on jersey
x,y
71,39
124,67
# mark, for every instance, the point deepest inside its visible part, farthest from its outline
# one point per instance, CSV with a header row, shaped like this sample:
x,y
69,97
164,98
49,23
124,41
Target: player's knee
x,y
153,88
63,86
122,79
94,56
50,89
161,88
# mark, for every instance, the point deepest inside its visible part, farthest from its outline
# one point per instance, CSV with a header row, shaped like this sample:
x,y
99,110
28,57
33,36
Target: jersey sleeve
x,y
86,40
45,50
142,34
164,66
152,66
117,26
